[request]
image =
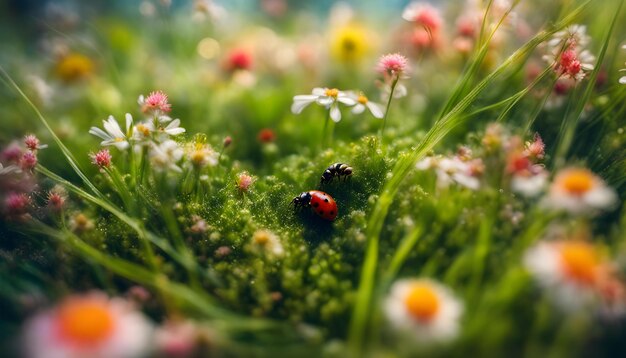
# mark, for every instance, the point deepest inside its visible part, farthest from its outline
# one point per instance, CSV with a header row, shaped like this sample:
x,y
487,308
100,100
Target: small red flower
x,y
266,135
31,142
16,204
56,201
238,59
28,161
102,159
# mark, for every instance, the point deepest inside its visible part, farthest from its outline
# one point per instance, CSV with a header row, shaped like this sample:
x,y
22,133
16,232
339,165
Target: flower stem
x,y
393,87
324,142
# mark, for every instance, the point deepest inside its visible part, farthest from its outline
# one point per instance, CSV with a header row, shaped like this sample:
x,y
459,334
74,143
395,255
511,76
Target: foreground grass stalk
x,y
66,152
568,128
360,315
134,224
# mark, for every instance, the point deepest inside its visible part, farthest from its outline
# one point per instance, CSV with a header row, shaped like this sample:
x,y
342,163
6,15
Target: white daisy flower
x,y
327,97
90,325
529,184
142,131
451,170
424,308
269,242
201,155
579,191
570,270
363,103
114,135
164,156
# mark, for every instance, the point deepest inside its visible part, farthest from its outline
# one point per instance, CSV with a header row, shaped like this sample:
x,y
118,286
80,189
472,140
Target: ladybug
x,y
321,203
339,170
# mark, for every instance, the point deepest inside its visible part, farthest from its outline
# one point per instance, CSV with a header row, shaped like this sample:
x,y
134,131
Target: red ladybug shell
x,y
323,205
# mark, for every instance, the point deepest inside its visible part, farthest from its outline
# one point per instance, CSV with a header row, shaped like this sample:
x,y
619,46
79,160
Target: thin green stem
x,y
325,141
394,83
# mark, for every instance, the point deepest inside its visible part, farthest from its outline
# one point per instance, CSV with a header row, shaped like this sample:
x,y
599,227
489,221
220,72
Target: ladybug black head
x,y
302,200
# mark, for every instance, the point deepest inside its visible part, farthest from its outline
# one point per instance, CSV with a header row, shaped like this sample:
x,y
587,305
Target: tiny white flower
x,y
363,103
425,309
114,135
202,155
173,128
269,242
327,97
451,170
529,185
579,191
166,155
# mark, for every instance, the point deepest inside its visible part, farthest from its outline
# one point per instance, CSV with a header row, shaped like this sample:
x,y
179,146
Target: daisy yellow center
x,y
85,322
119,139
197,156
143,129
579,261
332,92
261,238
577,181
422,302
362,99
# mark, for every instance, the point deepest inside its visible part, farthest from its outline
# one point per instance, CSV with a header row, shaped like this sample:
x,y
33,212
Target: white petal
x,y
299,104
335,113
164,119
99,133
318,91
358,109
622,80
376,109
175,123
175,131
467,181
111,126
346,100
129,122
400,91
121,145
325,101
601,198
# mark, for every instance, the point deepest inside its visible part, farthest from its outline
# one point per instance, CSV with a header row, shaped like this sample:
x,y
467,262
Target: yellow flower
x,y
350,43
74,67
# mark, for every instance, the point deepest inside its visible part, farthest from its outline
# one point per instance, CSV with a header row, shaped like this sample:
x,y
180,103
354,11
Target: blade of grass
x,y
568,128
136,225
360,314
66,152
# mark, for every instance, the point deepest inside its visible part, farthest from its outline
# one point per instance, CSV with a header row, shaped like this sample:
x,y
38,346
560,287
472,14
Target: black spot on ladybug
x,y
326,200
315,205
332,212
321,212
